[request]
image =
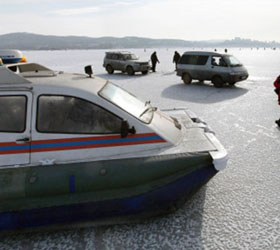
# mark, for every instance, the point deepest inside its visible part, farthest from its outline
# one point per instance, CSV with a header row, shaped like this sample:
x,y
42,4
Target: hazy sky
x,y
182,19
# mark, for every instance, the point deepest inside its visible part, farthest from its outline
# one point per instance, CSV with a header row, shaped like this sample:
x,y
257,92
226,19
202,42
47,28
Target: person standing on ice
x,y
277,91
154,60
176,59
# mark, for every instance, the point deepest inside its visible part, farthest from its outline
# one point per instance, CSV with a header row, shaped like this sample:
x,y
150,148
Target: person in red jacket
x,y
277,91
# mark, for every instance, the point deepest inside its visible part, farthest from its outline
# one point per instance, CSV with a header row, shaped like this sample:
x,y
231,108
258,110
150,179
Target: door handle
x,y
23,140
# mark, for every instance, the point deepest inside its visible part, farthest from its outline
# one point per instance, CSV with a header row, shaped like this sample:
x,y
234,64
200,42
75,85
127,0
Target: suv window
x,y
121,57
114,57
194,59
130,57
67,114
13,113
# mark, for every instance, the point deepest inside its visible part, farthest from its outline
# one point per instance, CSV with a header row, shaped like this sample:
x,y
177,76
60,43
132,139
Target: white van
x,y
215,67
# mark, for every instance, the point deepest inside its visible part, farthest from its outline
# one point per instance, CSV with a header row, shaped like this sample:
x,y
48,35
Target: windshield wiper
x,y
148,109
147,102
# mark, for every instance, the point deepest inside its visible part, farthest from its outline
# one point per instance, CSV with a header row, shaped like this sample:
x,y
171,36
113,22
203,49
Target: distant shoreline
x,y
28,41
219,49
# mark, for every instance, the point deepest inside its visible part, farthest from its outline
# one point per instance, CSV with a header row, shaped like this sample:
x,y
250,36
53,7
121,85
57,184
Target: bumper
x,y
199,137
237,78
220,156
142,68
179,72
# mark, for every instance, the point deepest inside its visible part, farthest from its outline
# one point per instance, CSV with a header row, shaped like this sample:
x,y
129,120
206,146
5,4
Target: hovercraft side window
x,y
13,113
67,114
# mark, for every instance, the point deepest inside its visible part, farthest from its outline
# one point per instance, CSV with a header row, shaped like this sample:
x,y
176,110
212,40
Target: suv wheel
x,y
109,69
145,72
130,70
187,78
218,82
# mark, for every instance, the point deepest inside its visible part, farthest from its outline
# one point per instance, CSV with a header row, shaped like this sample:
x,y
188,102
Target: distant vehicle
x,y
215,67
125,62
10,55
76,147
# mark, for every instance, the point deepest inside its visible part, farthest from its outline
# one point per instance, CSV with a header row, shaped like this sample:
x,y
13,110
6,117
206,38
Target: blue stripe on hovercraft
x,y
93,142
14,147
71,144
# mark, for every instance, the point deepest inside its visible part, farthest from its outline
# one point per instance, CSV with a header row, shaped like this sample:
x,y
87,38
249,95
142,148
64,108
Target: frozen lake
x,y
240,207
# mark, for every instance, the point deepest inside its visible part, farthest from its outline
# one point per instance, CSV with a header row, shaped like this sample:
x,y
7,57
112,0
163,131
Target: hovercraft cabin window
x,y
67,114
13,113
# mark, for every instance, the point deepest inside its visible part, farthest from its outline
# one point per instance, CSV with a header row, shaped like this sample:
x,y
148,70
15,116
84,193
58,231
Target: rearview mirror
x,y
125,130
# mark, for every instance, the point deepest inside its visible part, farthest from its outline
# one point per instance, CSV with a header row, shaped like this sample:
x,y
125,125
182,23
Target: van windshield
x,y
232,61
128,102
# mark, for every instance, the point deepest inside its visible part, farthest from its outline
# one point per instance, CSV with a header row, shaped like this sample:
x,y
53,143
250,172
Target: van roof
x,y
118,52
204,53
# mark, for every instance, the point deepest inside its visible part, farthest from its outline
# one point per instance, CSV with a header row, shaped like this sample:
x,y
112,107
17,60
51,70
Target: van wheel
x,y
218,82
130,71
187,78
109,69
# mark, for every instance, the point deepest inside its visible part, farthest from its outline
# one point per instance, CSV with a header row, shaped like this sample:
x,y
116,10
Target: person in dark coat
x,y
176,59
277,91
154,60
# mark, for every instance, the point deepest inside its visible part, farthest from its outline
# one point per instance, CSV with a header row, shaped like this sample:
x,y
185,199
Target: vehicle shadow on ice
x,y
202,92
119,76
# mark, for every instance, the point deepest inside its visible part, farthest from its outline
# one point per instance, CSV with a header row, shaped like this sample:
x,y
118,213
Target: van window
x,y
67,114
218,61
13,113
194,59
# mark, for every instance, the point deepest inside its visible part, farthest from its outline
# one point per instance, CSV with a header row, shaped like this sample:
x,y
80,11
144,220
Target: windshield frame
x,y
127,101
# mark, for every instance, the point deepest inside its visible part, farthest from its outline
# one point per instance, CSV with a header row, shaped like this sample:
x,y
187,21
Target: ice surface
x,y
240,207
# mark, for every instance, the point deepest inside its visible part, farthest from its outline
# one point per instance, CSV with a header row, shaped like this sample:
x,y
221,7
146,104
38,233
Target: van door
x,y
15,119
115,61
218,68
